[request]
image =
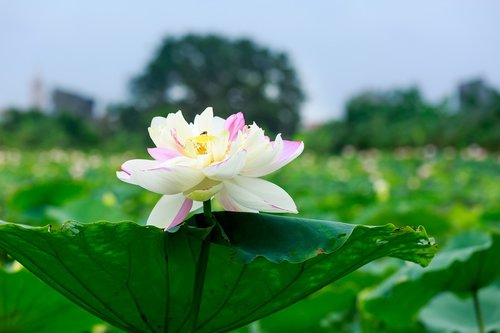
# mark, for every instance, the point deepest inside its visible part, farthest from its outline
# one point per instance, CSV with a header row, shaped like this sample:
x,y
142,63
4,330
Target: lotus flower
x,y
211,158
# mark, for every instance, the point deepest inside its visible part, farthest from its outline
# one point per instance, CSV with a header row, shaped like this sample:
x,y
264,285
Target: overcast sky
x,y
338,47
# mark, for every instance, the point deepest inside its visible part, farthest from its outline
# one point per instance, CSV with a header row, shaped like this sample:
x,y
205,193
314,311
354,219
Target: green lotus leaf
x,y
141,279
468,263
30,306
448,313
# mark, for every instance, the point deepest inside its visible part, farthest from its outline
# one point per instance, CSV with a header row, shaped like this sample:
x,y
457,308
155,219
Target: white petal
x,y
139,164
255,137
219,145
169,211
158,122
160,138
168,180
157,131
162,130
259,195
203,121
230,204
228,168
182,129
218,125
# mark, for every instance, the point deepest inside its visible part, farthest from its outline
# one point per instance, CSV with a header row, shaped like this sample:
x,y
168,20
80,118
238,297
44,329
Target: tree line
x,y
403,117
195,71
188,73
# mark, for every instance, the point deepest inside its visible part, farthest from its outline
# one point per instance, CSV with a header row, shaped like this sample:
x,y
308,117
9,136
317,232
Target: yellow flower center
x,y
201,142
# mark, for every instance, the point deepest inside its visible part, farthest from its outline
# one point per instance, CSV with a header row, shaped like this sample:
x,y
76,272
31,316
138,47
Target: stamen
x,y
201,142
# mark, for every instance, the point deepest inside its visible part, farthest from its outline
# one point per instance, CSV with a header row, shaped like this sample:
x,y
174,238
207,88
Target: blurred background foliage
x,y
402,117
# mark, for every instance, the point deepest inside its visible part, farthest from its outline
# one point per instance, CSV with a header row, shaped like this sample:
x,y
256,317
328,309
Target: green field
x,y
454,194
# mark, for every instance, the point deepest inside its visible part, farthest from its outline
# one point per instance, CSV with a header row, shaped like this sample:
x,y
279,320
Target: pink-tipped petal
x,y
181,214
131,166
289,151
124,171
170,211
123,176
234,123
163,154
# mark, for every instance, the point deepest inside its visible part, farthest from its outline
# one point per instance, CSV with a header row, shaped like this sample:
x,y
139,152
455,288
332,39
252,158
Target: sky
x,y
339,48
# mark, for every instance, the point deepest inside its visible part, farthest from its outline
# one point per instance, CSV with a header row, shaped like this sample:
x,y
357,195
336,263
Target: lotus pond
x,y
455,195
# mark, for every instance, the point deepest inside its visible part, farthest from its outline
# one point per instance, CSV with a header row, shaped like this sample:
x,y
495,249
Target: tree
x,y
34,129
193,72
388,106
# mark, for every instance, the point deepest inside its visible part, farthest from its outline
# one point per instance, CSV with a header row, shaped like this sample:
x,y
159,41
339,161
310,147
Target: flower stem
x,y
477,310
207,209
201,269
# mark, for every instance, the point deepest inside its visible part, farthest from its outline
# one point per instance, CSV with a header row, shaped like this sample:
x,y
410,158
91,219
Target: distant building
x,y
65,101
37,93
